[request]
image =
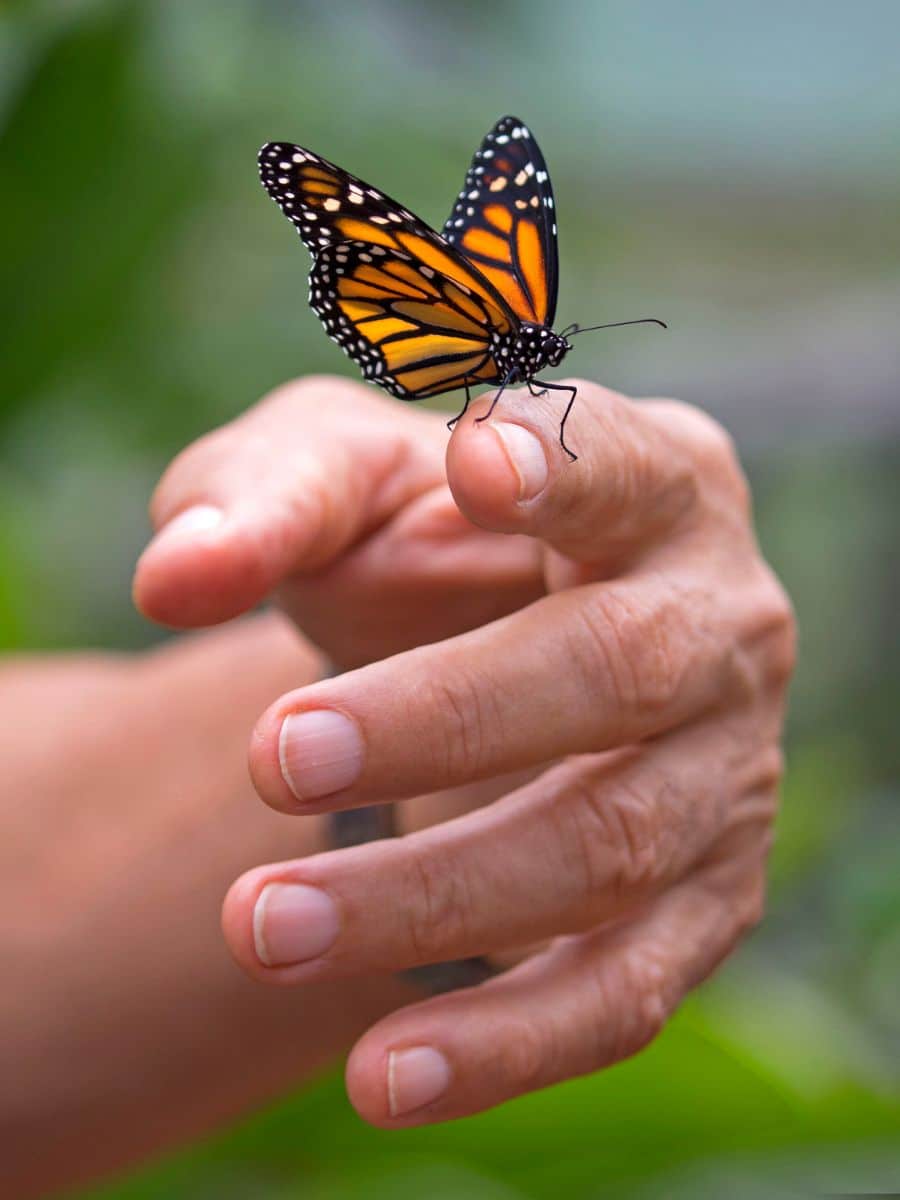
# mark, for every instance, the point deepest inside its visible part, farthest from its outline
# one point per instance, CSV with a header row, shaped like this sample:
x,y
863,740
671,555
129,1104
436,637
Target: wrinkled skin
x,y
583,664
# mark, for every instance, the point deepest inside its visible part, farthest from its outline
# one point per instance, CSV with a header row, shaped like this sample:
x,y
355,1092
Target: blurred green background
x,y
733,168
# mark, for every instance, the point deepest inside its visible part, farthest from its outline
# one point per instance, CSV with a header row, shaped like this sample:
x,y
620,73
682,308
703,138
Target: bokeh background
x,y
733,168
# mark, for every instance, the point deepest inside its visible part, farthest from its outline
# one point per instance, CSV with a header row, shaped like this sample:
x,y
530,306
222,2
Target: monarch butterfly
x,y
421,312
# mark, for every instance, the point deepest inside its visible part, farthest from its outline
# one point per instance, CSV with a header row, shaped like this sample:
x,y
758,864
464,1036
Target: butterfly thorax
x,y
525,351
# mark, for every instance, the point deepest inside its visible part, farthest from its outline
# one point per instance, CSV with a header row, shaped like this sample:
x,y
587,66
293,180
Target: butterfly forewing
x,y
504,221
410,328
329,206
326,203
415,315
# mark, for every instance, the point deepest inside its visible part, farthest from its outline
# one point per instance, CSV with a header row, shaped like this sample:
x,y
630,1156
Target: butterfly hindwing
x,y
504,221
410,328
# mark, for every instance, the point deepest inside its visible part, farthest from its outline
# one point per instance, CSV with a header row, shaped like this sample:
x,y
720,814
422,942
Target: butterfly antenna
x,y
571,330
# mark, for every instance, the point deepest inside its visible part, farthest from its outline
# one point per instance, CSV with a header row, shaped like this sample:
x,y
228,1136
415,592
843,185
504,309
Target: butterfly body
x,y
421,312
531,349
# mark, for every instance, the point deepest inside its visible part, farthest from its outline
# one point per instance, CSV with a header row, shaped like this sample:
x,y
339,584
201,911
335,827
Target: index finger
x,y
283,489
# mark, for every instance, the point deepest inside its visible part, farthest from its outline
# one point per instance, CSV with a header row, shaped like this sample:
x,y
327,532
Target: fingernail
x,y
320,752
526,455
293,923
200,519
415,1077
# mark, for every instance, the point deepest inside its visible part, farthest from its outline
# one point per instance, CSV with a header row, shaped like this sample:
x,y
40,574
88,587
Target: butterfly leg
x,y
502,388
532,391
573,392
465,407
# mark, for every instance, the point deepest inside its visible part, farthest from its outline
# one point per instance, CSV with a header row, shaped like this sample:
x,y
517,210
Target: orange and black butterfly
x,y
421,312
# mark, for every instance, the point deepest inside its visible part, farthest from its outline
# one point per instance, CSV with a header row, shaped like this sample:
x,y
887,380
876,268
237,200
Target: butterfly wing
x,y
411,328
414,314
504,221
327,205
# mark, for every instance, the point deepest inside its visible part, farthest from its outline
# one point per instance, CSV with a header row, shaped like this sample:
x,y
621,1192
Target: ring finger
x,y
588,841
588,669
583,1004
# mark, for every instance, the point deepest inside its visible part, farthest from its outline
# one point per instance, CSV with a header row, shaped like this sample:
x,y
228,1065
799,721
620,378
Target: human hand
x,y
126,813
651,672
335,498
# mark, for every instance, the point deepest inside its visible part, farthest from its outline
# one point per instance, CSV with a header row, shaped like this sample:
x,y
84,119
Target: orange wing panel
x,y
531,260
439,377
410,350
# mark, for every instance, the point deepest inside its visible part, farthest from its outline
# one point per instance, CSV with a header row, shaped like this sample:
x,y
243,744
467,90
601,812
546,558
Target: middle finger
x,y
587,842
591,668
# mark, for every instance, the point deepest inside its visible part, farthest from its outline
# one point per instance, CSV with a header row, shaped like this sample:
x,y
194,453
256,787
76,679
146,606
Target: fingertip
x,y
399,1074
482,475
264,760
237,921
365,1078
199,570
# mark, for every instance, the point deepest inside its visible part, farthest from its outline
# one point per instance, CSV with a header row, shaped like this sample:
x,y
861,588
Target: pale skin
x,y
590,682
598,649
125,1027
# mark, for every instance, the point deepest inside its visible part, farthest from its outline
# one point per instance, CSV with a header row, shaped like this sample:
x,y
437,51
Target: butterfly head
x,y
557,348
537,347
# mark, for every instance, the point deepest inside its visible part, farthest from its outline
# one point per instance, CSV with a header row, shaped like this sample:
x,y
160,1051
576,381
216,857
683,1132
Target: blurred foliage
x,y
727,171
696,1093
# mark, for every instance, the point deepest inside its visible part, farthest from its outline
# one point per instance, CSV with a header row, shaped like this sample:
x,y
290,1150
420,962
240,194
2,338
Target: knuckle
x,y
711,464
719,461
644,470
645,983
712,441
639,652
769,769
714,453
739,675
634,818
523,1058
753,908
467,719
613,830
750,909
780,623
307,389
437,909
316,506
305,394
188,476
621,469
635,1004
769,633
